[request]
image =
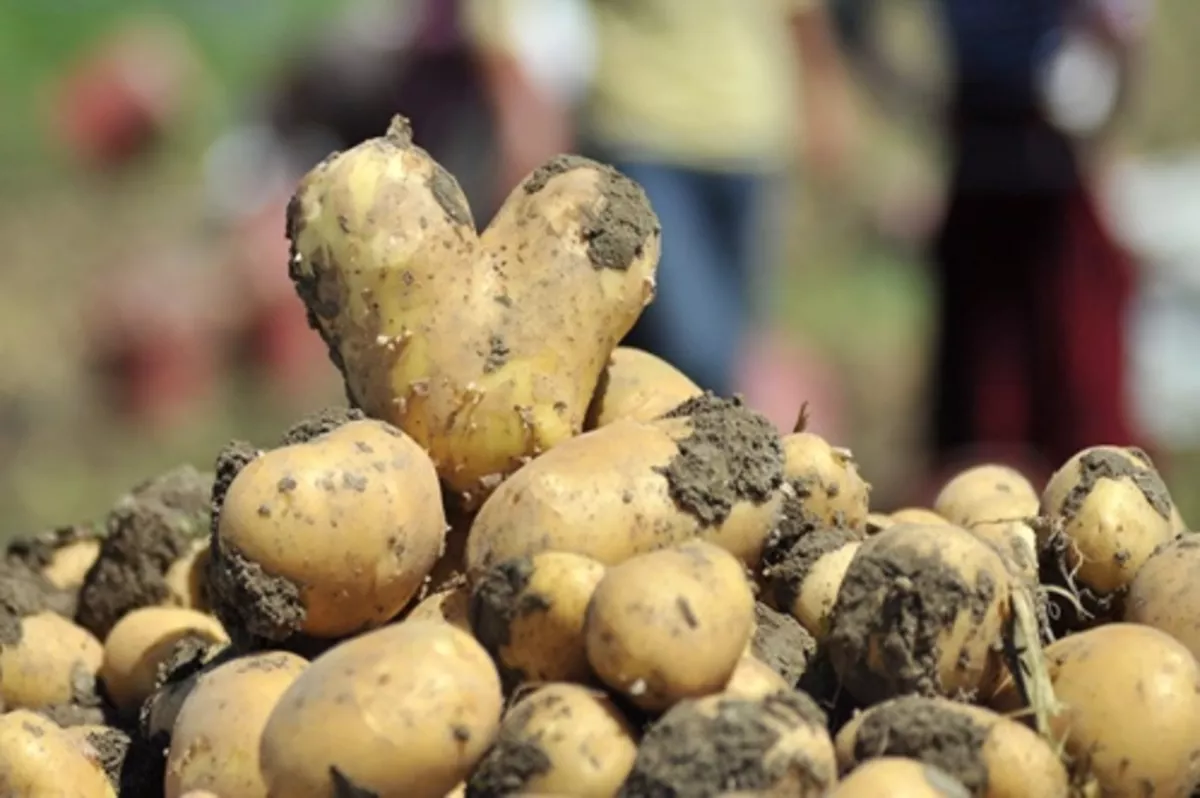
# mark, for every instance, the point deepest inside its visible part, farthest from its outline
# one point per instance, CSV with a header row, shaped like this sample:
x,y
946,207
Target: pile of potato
x,y
526,561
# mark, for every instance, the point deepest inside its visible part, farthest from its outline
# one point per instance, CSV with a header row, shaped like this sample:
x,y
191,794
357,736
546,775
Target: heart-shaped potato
x,y
486,349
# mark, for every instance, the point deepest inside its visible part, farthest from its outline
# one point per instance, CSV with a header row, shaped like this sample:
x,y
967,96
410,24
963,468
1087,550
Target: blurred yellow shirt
x,y
697,82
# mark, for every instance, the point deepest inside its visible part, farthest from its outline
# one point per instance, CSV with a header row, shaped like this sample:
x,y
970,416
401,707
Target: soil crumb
x,y
1114,465
516,757
320,423
732,455
781,643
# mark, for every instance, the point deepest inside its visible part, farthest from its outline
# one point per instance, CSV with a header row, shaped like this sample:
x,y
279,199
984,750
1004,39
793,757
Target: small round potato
x,y
143,640
754,679
670,624
637,385
37,758
529,612
826,479
405,711
560,739
51,662
1165,593
896,777
214,745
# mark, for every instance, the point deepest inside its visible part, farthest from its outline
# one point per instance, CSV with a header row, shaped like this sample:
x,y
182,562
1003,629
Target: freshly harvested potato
x,y
995,503
639,386
958,498
560,739
781,745
1109,509
826,480
141,642
671,624
37,758
214,745
1129,713
327,537
754,679
1165,593
528,613
710,468
47,662
922,609
917,515
451,605
62,555
802,573
187,578
897,777
994,757
405,711
430,323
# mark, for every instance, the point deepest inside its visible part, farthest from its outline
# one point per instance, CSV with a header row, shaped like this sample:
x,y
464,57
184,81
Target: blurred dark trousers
x,y
712,229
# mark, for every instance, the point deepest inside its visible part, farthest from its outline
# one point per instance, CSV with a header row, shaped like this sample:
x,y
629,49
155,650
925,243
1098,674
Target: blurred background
x,y
147,150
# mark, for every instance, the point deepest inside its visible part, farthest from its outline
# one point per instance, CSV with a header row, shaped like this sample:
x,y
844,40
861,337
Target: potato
x,y
803,570
1109,509
187,578
405,711
639,386
528,613
451,605
711,468
994,757
49,661
62,555
670,624
560,739
1165,593
141,642
214,745
327,537
38,759
705,747
484,348
896,777
917,515
754,679
958,498
1130,709
995,503
922,609
826,480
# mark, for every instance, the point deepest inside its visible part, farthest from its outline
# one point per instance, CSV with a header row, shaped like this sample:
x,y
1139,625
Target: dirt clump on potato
x,y
781,643
320,423
1106,464
790,559
148,530
733,454
25,592
134,766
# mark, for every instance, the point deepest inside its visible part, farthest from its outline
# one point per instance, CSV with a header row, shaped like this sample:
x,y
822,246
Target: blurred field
x,y
856,295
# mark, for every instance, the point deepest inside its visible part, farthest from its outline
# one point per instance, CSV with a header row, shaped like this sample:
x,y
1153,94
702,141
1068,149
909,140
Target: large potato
x,y
484,348
639,386
327,537
49,661
710,468
670,624
1165,593
405,711
38,759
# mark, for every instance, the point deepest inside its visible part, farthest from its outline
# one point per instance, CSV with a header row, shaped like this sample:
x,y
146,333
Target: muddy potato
x,y
451,605
133,764
405,711
897,777
803,572
710,468
1109,509
781,742
529,615
994,757
922,609
430,323
45,660
826,480
1165,593
639,386
62,555
560,739
1129,713
142,641
175,680
781,643
327,537
38,759
671,624
214,744
754,679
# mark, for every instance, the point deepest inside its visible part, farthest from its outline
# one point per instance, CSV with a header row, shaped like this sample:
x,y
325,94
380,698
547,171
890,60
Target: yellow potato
x,y
917,515
214,745
484,348
63,555
639,386
37,758
529,613
997,504
141,642
899,778
187,578
754,679
328,537
405,711
826,480
711,469
51,663
581,745
1165,593
670,624
803,573
451,605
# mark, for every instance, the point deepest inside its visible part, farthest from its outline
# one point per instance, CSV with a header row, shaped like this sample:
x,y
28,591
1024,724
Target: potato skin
x,y
1165,593
897,777
670,624
214,744
37,758
430,323
828,478
44,667
449,605
402,711
754,679
346,525
639,386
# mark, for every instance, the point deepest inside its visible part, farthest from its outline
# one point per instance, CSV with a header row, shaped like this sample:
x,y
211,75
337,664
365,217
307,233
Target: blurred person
x,y
697,101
